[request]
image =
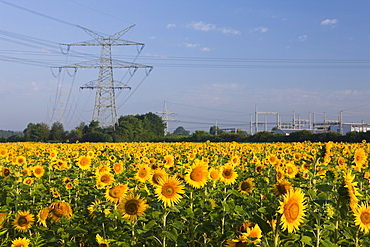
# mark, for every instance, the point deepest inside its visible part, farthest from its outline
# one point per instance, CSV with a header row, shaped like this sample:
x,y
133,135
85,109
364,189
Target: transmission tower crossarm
x,y
96,84
107,42
116,64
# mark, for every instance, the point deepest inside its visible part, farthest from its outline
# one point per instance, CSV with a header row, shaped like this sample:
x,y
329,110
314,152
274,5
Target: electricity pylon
x,y
105,111
165,117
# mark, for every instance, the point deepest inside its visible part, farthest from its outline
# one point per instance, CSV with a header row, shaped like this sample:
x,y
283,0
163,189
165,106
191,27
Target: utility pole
x,y
105,111
165,117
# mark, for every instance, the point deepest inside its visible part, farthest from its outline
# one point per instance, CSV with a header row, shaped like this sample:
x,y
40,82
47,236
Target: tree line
x,y
149,127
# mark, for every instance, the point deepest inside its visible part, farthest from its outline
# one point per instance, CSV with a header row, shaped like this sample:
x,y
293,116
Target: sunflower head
x,y
197,175
114,194
20,242
292,209
362,217
132,207
228,174
23,221
169,191
42,216
282,187
246,186
57,210
143,173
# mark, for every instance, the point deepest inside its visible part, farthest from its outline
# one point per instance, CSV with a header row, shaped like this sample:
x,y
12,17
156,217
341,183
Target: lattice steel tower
x,y
105,111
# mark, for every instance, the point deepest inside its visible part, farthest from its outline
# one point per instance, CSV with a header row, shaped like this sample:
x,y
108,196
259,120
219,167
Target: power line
x,y
37,13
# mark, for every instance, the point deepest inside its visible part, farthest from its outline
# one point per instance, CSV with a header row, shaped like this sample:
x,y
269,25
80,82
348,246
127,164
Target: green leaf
x,y
3,232
327,243
170,235
149,225
324,187
307,240
190,212
265,227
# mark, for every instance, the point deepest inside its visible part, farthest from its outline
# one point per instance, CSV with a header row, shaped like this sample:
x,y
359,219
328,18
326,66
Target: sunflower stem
x,y
192,232
276,232
165,228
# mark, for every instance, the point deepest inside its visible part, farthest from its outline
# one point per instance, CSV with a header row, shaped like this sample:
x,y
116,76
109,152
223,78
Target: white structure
x,y
347,127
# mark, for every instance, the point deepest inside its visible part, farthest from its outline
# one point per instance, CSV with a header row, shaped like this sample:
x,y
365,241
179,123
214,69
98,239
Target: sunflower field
x,y
184,194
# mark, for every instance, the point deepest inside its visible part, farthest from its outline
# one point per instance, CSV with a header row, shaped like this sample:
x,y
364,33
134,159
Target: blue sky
x,y
214,61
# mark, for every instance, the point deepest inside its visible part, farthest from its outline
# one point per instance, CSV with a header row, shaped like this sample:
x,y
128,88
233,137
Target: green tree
x,y
57,132
215,130
94,133
180,131
37,132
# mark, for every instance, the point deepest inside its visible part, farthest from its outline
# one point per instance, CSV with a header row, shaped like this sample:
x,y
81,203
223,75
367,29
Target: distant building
x,y
347,127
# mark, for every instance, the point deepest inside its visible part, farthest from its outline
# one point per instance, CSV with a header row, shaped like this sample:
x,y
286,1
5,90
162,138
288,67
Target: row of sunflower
x,y
184,194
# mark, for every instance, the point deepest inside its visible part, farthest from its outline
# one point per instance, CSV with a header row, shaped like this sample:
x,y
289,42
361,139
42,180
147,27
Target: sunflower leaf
x,y
307,240
265,227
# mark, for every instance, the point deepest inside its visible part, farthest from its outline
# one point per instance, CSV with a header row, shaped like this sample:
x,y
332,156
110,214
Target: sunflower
x,y
20,160
360,159
69,186
292,209
235,160
20,242
228,174
38,171
197,175
114,194
59,209
291,170
3,152
132,207
42,216
118,167
238,242
104,179
252,234
84,162
2,219
143,173
352,190
246,186
169,191
103,168
101,241
170,160
273,160
214,173
342,163
282,187
362,217
5,172
157,175
23,221
28,181
94,207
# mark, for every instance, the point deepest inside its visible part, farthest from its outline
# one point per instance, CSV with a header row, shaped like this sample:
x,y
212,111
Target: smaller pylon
x,y
165,117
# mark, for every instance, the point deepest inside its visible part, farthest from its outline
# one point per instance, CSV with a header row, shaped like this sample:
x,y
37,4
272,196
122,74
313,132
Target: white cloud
x,y
152,37
329,22
261,29
171,25
191,45
201,26
229,30
206,27
205,49
303,37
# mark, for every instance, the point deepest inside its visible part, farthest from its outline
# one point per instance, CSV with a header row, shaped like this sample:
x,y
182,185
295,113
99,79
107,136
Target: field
x,y
184,194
